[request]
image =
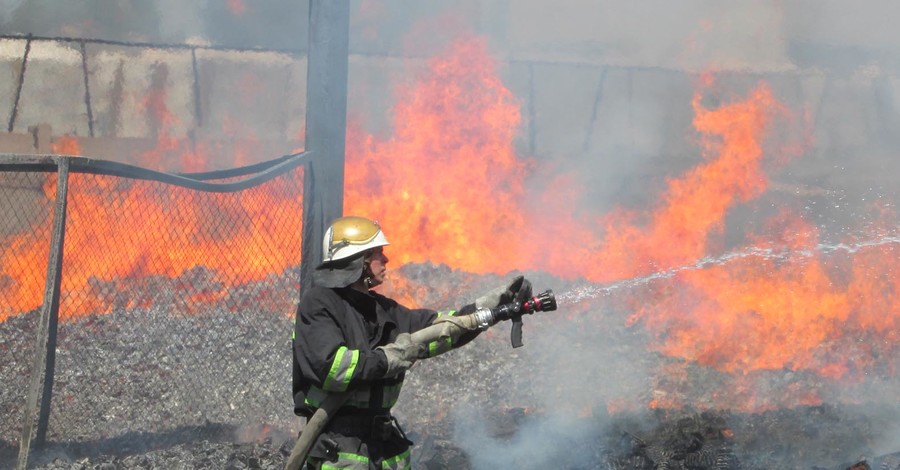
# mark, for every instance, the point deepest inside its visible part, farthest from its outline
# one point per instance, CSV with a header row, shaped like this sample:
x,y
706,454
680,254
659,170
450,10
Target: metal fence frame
x,y
63,165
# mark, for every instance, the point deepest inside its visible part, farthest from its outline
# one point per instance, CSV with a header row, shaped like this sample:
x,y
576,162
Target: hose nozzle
x,y
543,302
486,317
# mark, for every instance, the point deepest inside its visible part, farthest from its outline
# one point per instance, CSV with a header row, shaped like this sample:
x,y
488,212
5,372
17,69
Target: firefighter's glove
x,y
517,290
401,354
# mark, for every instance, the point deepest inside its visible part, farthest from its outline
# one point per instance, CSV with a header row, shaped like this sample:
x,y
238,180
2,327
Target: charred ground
x,y
486,405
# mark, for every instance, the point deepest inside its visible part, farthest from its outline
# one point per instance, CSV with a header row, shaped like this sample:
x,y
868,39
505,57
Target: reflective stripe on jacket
x,y
347,460
336,333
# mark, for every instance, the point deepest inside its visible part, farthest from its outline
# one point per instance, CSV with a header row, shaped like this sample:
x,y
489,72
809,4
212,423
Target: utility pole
x,y
326,123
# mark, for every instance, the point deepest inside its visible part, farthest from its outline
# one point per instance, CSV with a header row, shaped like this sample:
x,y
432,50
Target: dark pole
x,y
198,116
46,336
326,122
87,90
15,108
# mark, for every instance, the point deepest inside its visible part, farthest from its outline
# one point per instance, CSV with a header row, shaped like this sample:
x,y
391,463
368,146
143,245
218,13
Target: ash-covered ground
x,y
143,388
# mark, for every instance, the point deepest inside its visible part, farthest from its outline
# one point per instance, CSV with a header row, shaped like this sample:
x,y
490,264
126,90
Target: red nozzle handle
x,y
543,302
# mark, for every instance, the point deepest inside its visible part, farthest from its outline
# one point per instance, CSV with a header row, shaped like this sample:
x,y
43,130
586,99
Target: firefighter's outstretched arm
x,y
401,354
451,327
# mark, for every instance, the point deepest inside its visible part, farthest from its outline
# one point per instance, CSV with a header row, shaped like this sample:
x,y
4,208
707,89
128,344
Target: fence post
x,y
46,329
326,122
87,89
15,108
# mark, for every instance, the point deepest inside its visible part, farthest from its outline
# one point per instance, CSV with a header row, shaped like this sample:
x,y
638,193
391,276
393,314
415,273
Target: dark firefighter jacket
x,y
336,332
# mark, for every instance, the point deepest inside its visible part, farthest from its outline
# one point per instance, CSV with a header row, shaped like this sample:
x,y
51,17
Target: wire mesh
x,y
25,223
175,307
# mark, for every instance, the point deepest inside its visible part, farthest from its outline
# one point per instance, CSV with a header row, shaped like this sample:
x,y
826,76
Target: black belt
x,y
381,427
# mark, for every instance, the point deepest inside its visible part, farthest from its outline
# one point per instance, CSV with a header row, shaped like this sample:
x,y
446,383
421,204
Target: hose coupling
x,y
484,318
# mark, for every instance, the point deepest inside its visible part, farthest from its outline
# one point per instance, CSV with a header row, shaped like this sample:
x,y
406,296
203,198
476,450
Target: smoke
x,y
541,442
7,7
550,400
888,441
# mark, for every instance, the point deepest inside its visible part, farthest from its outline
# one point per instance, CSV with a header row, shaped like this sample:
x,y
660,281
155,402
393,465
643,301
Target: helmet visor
x,y
354,230
348,236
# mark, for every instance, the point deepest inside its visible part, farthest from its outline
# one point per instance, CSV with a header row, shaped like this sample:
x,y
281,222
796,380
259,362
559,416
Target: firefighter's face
x,y
377,262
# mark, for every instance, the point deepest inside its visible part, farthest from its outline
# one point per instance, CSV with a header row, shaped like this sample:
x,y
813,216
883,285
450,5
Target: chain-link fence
x,y
175,300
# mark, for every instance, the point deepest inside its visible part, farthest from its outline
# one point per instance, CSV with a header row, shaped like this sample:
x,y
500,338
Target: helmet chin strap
x,y
367,272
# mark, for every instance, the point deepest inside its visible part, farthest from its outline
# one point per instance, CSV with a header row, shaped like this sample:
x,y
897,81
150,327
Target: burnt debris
x,y
139,403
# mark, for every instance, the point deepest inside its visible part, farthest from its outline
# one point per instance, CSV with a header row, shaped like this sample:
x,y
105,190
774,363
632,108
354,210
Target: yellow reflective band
x,y
391,395
349,456
347,460
399,462
440,346
315,397
342,368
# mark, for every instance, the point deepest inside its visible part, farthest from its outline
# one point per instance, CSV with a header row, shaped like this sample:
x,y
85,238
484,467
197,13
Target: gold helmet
x,y
350,235
346,239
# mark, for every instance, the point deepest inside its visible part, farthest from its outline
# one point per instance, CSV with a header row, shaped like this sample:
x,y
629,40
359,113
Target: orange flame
x,y
448,183
225,231
66,145
237,7
694,206
450,188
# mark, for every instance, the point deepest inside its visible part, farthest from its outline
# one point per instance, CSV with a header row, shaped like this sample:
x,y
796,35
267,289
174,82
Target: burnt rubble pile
x,y
128,410
782,439
653,440
699,441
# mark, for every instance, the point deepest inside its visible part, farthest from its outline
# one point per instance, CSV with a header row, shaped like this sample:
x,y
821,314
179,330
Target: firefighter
x,y
349,338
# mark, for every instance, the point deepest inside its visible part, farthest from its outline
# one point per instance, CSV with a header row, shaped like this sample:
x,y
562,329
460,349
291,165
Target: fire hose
x,y
441,329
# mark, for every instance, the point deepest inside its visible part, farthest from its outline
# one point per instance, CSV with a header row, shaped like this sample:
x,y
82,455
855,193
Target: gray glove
x,y
517,290
401,354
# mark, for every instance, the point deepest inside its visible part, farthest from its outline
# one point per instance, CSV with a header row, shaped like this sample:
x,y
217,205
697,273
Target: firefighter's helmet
x,y
349,236
345,241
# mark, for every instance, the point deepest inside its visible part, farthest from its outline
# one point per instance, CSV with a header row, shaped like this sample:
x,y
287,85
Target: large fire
x,y
449,187
102,254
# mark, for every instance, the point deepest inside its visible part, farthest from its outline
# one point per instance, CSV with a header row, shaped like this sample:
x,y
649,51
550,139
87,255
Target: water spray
x,y
606,289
